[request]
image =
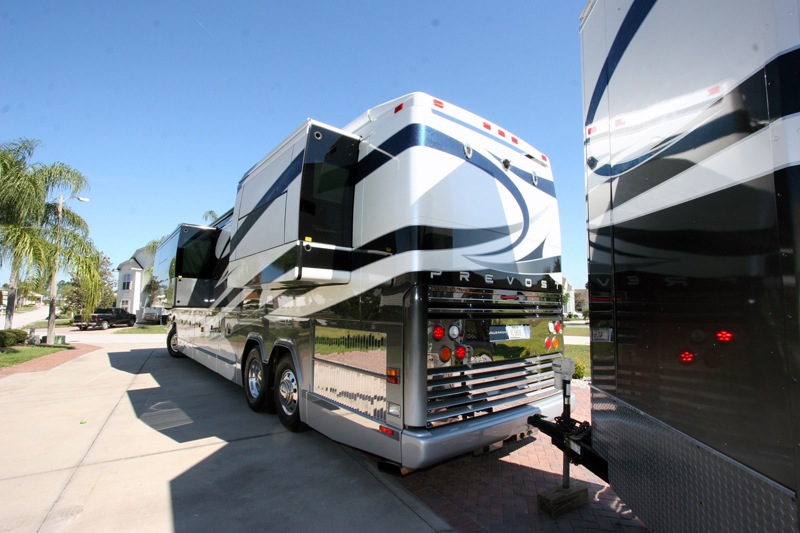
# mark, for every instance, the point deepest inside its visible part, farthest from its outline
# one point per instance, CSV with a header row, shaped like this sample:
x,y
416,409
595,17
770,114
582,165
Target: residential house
x,y
576,299
133,276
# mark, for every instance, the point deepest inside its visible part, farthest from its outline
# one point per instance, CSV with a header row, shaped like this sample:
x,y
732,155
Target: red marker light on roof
x,y
487,126
544,157
438,103
398,108
501,133
514,140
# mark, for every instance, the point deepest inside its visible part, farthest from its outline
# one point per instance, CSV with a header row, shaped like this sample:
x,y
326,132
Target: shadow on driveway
x,y
262,478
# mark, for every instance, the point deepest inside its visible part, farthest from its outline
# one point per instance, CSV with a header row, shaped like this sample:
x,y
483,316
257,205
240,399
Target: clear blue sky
x,y
165,105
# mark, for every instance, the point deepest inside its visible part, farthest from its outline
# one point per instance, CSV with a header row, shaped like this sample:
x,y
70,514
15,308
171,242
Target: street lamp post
x,y
51,320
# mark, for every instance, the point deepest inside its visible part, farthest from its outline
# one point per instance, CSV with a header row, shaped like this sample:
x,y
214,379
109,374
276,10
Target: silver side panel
x,y
350,369
680,484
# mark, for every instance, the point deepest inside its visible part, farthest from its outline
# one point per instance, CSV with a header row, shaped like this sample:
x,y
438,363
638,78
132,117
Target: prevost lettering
x,y
492,278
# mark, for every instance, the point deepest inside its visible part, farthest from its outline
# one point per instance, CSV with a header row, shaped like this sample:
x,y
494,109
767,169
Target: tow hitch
x,y
574,439
568,435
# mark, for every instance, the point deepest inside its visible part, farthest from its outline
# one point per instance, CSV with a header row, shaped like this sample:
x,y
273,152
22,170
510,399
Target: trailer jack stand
x,y
555,502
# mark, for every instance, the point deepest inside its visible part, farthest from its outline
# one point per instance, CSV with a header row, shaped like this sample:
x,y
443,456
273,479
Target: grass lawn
x,y
577,331
141,330
15,355
579,353
60,323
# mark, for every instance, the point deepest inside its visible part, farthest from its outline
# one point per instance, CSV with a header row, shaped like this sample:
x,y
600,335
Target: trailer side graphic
x,y
692,167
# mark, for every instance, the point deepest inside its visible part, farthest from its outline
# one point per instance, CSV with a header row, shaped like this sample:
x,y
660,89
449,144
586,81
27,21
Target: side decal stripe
x,y
630,25
421,135
291,173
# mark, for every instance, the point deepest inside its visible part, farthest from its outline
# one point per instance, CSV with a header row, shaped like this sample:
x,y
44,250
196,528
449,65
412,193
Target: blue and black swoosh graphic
x,y
416,238
630,25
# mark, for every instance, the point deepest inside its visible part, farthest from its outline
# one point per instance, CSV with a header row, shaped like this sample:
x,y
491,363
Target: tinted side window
x,y
326,196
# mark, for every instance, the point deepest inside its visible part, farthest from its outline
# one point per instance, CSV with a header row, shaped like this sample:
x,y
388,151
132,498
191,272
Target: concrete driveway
x,y
127,438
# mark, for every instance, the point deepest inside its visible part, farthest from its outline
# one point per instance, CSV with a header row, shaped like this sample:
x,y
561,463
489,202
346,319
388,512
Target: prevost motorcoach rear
x,y
394,284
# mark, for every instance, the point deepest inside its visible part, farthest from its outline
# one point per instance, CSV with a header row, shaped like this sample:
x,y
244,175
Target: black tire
x,y
131,322
172,344
104,324
287,395
255,381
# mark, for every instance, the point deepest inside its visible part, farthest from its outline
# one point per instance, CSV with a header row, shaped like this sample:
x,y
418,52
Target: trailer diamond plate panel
x,y
657,469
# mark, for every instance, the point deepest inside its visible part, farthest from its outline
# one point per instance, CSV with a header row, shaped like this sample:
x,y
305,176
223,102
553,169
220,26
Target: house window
x,y
126,282
125,304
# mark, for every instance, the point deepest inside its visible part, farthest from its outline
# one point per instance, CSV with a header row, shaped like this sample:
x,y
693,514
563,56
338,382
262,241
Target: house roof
x,y
131,263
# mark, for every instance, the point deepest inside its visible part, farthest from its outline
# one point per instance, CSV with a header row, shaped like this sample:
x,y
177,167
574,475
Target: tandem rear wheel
x,y
287,395
255,383
172,344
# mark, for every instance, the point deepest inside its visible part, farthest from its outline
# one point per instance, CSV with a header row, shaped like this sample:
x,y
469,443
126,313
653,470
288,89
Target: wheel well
x,y
277,353
274,357
271,362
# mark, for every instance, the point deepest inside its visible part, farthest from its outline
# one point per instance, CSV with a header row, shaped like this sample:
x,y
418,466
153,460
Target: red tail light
x,y
438,333
461,353
724,336
686,357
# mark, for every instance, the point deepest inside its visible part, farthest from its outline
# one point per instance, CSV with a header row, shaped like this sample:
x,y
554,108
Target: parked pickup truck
x,y
105,317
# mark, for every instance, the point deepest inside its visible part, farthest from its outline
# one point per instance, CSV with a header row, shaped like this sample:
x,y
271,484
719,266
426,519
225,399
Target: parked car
x,y
106,317
155,315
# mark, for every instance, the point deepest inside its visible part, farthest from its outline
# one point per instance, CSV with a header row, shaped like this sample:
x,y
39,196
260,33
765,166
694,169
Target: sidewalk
x,y
21,320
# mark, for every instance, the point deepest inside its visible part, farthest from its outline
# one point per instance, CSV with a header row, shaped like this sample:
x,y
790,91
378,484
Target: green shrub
x,y
580,370
21,335
10,337
7,338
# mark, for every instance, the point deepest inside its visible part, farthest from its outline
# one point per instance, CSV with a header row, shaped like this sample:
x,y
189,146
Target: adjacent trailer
x,y
394,284
692,145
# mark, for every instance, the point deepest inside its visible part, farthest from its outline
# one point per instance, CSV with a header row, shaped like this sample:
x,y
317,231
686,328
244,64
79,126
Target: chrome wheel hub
x,y
288,392
255,378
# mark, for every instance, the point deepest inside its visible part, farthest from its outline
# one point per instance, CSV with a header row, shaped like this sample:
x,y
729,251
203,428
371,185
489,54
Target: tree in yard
x,y
72,297
39,235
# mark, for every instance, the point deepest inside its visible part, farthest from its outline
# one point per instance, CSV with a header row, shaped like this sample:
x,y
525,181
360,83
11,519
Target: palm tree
x,y
38,234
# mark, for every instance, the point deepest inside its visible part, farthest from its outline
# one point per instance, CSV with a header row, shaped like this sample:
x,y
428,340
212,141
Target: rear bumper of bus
x,y
425,447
